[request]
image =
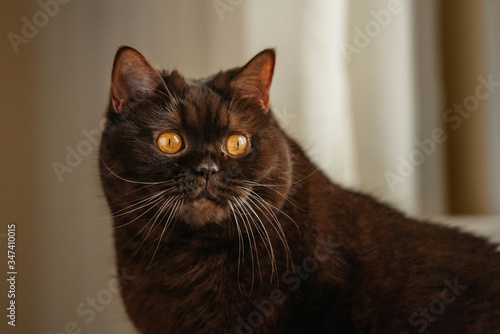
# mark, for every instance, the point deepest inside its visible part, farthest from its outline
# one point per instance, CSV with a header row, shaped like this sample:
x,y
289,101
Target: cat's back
x,y
402,275
417,275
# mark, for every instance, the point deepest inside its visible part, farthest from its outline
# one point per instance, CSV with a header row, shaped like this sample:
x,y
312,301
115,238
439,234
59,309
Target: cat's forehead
x,y
201,107
203,110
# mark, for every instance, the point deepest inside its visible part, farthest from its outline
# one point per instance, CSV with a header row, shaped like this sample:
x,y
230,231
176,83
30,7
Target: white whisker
x,y
255,184
173,211
241,250
139,205
250,191
155,218
142,214
248,217
130,181
262,205
249,242
265,237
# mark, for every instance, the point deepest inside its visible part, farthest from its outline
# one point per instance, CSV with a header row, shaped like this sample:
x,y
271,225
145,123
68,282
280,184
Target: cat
x,y
227,226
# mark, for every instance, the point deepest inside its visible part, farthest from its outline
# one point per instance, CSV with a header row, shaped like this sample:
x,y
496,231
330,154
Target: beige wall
x,y
18,160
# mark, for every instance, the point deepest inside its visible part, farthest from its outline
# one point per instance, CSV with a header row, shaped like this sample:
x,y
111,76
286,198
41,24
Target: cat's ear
x,y
254,80
132,79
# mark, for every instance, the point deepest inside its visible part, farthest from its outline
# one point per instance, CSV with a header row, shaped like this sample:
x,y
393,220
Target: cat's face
x,y
197,151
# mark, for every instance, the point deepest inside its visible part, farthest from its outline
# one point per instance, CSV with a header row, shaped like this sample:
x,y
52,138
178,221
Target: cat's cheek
x,y
234,168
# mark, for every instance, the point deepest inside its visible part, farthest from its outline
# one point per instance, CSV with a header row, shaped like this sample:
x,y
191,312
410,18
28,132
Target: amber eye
x,y
237,144
170,142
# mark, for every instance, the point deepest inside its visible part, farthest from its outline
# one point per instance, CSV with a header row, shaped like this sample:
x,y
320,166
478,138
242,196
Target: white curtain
x,y
382,73
357,112
310,91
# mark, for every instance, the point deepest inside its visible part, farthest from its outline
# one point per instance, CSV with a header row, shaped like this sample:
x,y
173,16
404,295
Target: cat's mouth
x,y
204,207
206,203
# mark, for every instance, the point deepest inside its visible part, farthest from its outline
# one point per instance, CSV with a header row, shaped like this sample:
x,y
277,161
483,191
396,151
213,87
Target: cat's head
x,y
205,151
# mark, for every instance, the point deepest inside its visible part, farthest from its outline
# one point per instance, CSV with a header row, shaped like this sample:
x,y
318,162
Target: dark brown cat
x,y
229,228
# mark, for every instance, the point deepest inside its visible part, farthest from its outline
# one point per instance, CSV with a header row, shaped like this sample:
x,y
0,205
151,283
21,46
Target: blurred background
x,y
397,98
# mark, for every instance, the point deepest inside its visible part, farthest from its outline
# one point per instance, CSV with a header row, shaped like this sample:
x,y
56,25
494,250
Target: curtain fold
x,y
491,26
309,95
325,90
429,108
382,83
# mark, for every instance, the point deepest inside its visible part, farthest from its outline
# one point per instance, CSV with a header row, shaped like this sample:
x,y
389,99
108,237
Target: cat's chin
x,y
201,211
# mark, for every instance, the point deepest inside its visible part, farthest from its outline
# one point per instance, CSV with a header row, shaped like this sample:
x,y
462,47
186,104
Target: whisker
x,y
265,237
148,201
306,177
248,215
128,193
142,214
249,243
123,211
130,181
169,93
251,183
177,204
250,191
275,223
241,251
155,218
170,96
234,95
261,204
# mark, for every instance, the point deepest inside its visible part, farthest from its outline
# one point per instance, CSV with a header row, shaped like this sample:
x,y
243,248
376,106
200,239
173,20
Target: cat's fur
x,y
268,244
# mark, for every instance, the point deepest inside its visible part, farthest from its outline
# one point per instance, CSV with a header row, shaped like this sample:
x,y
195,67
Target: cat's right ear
x,y
132,79
254,80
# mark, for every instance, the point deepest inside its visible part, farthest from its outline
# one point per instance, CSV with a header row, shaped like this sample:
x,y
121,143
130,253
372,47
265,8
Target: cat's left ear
x,y
254,80
133,78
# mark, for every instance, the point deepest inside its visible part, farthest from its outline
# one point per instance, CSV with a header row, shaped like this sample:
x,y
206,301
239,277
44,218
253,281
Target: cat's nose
x,y
207,171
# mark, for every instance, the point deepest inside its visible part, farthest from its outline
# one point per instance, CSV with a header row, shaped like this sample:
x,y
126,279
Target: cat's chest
x,y
212,283
196,269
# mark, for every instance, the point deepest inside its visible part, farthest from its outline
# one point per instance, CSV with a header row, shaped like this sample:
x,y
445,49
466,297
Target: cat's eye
x,y
170,142
237,144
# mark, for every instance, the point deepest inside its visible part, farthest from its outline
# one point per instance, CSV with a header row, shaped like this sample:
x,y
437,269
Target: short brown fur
x,y
349,264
